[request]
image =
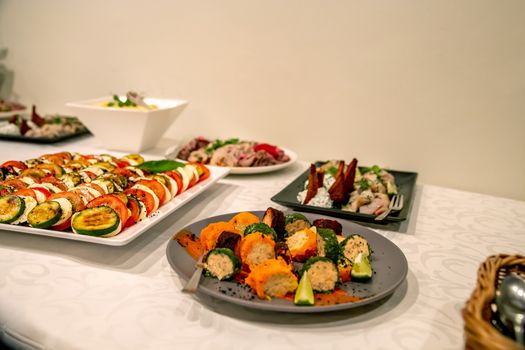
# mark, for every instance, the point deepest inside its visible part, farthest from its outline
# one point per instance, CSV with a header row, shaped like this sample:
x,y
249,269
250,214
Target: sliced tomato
x,y
145,197
178,179
112,201
127,173
15,183
156,187
55,182
74,198
134,207
203,170
63,226
10,164
121,163
28,192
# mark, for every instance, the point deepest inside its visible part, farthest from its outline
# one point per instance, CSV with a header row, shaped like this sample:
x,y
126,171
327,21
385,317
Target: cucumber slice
x,y
304,295
11,208
362,270
45,214
98,221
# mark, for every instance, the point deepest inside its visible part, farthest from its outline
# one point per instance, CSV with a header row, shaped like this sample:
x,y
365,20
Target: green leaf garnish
x,y
159,166
376,169
219,143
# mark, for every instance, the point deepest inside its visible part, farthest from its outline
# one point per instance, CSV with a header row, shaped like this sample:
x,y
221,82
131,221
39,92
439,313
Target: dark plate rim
x,y
402,265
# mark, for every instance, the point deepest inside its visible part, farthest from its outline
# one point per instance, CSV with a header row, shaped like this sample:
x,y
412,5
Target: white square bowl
x,y
124,129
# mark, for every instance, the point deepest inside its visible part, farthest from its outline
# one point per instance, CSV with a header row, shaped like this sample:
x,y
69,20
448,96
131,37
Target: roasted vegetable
x,y
45,214
221,263
338,191
243,219
327,244
322,272
275,219
11,208
98,221
344,266
229,240
313,184
327,223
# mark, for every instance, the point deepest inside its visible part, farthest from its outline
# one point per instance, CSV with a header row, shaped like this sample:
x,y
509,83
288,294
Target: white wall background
x,y
436,87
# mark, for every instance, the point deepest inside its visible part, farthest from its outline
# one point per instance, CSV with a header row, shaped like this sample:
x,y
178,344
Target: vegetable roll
x,y
295,222
302,244
354,245
272,278
221,263
262,228
327,244
241,220
275,219
256,248
322,272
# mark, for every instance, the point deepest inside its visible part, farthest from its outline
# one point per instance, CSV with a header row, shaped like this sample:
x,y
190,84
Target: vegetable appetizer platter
x,y
294,262
242,157
96,198
348,191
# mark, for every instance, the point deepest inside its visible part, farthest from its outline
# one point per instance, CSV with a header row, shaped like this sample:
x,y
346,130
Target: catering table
x,y
61,294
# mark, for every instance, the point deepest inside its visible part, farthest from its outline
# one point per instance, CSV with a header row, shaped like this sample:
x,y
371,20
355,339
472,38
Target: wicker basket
x,y
479,332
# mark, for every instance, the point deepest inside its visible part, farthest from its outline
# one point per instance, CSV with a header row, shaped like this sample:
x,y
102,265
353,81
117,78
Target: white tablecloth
x,y
60,294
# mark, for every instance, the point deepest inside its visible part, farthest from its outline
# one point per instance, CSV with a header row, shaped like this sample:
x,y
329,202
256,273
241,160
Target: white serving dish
x,y
130,233
128,130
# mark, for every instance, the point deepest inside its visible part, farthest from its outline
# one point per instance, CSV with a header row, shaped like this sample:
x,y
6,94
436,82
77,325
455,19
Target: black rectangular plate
x,y
406,183
65,137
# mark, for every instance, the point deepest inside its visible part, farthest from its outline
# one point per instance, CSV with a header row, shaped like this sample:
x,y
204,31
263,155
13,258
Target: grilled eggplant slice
x,y
275,219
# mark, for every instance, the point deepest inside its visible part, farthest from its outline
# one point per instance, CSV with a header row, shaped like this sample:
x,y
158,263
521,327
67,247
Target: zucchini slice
x,y
98,221
45,214
11,208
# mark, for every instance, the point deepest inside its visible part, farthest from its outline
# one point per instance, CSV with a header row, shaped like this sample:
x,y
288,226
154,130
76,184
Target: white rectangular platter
x,y
130,233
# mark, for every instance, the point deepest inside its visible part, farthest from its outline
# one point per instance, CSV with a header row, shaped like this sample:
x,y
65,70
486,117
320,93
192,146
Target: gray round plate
x,y
388,263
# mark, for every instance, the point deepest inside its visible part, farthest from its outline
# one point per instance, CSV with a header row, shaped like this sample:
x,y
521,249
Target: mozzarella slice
x,y
185,178
91,191
137,171
192,171
40,196
52,188
67,210
146,189
27,180
173,186
142,210
30,203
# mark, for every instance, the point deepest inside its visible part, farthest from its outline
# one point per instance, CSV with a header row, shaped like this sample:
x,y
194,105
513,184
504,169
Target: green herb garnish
x,y
332,171
159,166
363,184
219,143
376,169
